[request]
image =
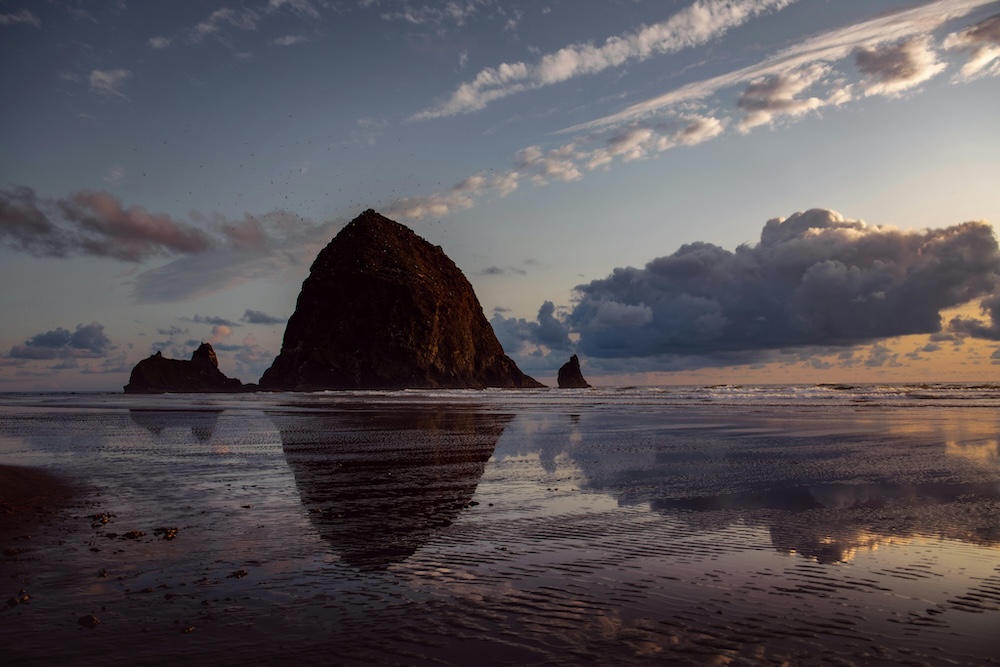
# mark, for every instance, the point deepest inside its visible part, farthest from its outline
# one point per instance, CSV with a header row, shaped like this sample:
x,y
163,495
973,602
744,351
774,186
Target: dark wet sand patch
x,y
29,494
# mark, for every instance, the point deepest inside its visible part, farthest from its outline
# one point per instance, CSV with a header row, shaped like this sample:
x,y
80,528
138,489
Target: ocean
x,y
776,525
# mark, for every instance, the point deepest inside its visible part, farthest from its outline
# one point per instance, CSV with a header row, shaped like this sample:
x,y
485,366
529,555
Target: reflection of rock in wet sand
x,y
201,422
831,522
377,485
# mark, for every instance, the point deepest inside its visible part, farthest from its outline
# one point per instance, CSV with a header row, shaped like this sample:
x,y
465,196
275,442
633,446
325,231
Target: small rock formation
x,y
384,309
157,375
570,376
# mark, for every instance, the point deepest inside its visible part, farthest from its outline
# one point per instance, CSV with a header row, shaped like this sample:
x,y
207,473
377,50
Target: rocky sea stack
x,y
384,309
157,375
570,375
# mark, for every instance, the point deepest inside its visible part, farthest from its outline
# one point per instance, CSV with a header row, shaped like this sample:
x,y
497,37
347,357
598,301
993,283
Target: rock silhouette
x,y
384,309
570,375
157,375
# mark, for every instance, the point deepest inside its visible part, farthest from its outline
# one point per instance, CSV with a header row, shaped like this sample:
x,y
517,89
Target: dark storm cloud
x,y
87,341
814,279
257,317
815,284
967,326
548,330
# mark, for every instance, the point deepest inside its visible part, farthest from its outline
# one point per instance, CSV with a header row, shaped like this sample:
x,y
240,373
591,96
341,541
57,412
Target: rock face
x,y
157,375
384,309
570,376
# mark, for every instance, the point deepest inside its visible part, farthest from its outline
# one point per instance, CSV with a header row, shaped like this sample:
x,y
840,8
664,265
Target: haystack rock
x,y
157,375
384,309
570,375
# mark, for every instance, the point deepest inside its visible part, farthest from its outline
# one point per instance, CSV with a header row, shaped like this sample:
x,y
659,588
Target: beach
x,y
705,526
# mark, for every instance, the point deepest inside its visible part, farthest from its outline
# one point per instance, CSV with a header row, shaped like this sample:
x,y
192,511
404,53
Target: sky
x,y
717,191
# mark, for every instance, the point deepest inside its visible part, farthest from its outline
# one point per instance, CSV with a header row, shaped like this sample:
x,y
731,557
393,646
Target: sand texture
x,y
456,528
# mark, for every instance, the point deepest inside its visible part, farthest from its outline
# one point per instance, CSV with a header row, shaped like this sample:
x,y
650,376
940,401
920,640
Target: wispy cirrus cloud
x,y
982,43
289,40
692,26
23,17
109,82
891,47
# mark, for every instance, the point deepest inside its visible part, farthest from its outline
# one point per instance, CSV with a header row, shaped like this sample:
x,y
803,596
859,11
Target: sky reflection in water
x,y
564,532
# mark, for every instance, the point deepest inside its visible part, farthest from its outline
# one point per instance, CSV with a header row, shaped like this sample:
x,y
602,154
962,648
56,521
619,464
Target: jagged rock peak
x,y
570,375
157,375
383,309
205,354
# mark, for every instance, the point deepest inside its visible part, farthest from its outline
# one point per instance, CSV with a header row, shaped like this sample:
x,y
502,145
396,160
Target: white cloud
x,y
692,26
828,47
159,42
109,82
436,205
699,129
982,43
555,165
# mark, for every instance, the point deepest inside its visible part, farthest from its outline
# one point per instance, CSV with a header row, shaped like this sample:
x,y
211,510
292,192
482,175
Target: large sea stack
x,y
384,309
157,375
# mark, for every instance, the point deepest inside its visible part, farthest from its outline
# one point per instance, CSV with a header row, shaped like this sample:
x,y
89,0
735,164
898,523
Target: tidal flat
x,y
704,526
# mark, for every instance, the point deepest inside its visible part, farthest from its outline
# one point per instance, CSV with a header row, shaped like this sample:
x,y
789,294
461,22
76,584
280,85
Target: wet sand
x,y
500,533
28,495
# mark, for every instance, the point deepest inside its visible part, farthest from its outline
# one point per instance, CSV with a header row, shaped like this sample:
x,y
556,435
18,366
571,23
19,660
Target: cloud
x,y
115,175
24,17
213,320
244,20
92,223
303,7
436,15
967,326
251,360
159,42
109,82
211,252
289,40
555,165
895,68
815,279
502,271
172,331
829,47
257,317
779,94
86,341
435,205
369,130
515,334
816,283
695,25
982,42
